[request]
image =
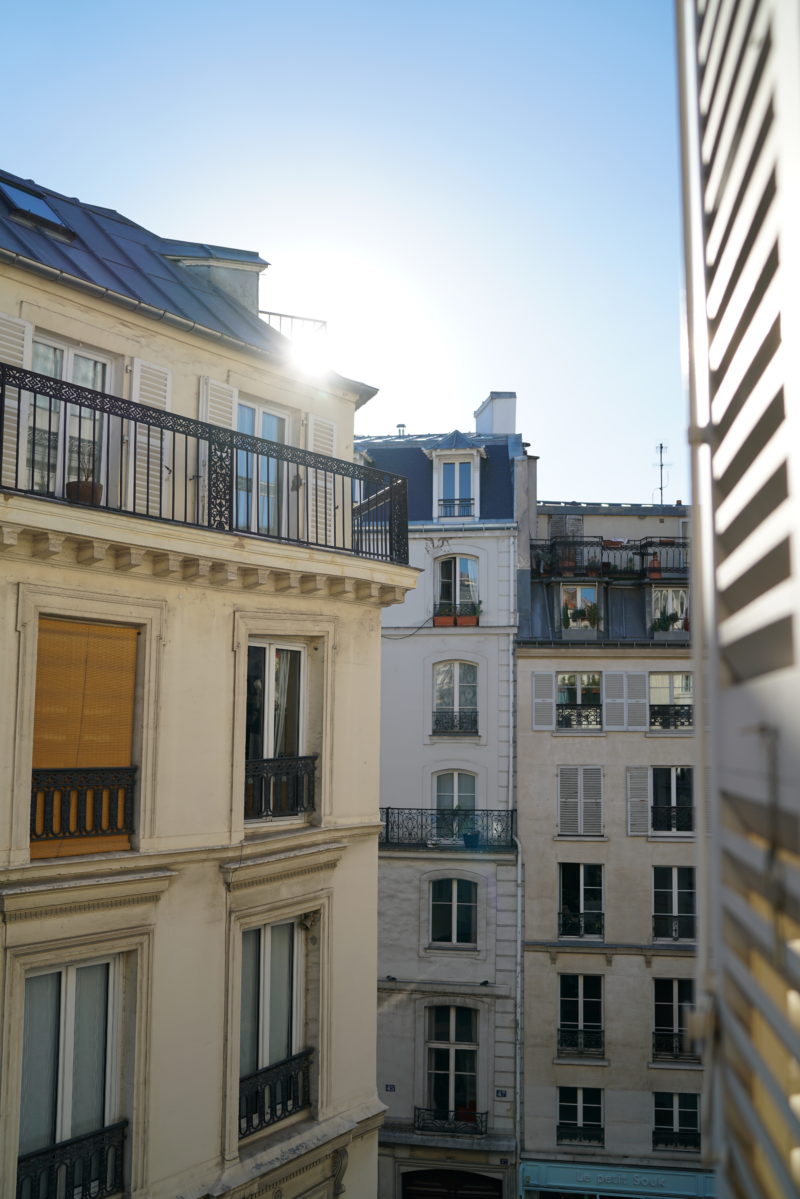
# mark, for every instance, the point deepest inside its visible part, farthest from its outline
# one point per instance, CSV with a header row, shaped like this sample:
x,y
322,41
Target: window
x,y
274,1071
70,1079
455,803
455,697
580,1023
580,801
581,900
31,205
580,1115
673,903
671,701
279,778
451,1069
670,609
676,1121
579,705
457,587
83,777
457,497
579,607
261,481
454,912
660,800
673,1000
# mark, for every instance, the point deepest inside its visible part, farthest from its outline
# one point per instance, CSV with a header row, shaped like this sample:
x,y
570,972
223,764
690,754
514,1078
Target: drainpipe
x,y
512,783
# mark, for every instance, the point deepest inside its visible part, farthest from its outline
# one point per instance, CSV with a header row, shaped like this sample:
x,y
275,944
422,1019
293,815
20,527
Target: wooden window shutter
x,y
613,700
591,800
321,511
151,385
638,786
16,341
216,406
637,701
544,700
85,689
569,801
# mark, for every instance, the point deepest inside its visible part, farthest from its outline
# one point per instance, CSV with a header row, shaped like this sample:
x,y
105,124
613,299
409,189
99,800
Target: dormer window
x,y
457,497
456,479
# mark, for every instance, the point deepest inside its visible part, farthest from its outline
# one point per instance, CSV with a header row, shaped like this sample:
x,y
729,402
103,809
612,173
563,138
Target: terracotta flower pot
x,y
84,491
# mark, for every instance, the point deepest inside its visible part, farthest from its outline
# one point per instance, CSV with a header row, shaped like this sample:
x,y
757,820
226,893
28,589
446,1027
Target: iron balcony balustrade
x,y
593,557
672,716
666,819
275,787
579,716
668,1044
85,1167
685,1140
461,1122
274,1093
82,802
453,722
579,1134
61,441
418,828
669,927
580,924
581,1042
448,508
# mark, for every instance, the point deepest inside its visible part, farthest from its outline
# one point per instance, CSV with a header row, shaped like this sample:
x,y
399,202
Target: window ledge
x,y
578,732
581,1061
675,1065
444,947
580,837
661,733
680,838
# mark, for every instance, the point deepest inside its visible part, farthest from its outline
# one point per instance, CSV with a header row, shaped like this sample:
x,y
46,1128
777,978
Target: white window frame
x,y
582,1025
678,600
581,1123
639,792
453,1047
454,903
457,684
457,600
456,772
677,1026
581,604
674,914
676,1111
580,801
582,889
298,1012
271,646
262,408
440,457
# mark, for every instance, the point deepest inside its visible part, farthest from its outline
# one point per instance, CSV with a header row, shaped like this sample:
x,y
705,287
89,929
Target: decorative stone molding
x,y
273,868
44,900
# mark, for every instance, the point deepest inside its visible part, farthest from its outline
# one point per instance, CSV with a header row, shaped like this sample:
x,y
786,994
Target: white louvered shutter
x,y
152,468
216,406
16,340
544,699
636,716
321,511
591,801
613,700
638,787
569,801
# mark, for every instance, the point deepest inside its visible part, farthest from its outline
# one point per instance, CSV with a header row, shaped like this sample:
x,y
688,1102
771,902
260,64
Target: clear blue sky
x,y
476,197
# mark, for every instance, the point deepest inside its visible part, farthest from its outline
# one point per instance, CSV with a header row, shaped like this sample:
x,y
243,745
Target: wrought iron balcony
x,y
685,1140
667,927
580,924
61,441
278,787
671,716
419,828
579,716
85,1167
581,1042
579,1134
272,1094
673,1045
591,557
452,722
666,819
448,508
82,802
433,1119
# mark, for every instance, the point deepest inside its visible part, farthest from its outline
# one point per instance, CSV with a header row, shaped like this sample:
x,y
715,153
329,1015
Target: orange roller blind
x,y
85,689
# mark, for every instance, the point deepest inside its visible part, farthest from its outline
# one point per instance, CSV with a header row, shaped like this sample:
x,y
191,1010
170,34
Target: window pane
x,y
467,581
442,921
682,687
659,689
439,1023
444,791
37,1124
88,372
287,703
248,1027
590,689
256,689
448,480
662,786
465,916
683,786
688,1112
447,580
570,887
567,689
47,360
466,791
273,427
465,480
89,1060
281,970
466,1024
443,686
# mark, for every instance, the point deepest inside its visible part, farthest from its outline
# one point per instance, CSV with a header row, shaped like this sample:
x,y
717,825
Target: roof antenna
x,y
401,430
660,448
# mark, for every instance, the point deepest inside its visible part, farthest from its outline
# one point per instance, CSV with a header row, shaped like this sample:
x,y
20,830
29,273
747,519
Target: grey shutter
x,y
151,385
216,406
637,701
613,700
321,511
638,787
16,340
592,801
569,801
544,699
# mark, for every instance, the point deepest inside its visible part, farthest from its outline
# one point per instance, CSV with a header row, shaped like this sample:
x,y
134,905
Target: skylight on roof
x,y
30,204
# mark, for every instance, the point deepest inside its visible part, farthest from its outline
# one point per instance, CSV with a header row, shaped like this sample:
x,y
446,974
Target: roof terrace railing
x,y
591,557
60,441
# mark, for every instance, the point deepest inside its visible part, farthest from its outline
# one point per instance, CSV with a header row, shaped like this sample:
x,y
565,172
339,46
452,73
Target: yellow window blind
x,y
85,688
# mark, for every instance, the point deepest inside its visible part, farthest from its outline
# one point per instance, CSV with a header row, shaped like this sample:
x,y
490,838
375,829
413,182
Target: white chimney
x,y
497,413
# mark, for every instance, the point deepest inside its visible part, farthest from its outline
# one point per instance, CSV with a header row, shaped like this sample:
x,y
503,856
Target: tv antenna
x,y
660,450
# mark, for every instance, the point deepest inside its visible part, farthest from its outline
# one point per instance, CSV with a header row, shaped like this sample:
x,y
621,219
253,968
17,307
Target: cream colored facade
x,y
168,916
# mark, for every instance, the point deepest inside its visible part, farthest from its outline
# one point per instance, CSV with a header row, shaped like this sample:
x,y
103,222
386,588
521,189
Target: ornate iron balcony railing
x,y
591,557
272,1094
687,1140
465,507
82,802
85,1167
579,1134
580,924
579,716
670,1044
432,1119
409,828
668,927
667,819
278,787
452,721
581,1042
62,441
671,716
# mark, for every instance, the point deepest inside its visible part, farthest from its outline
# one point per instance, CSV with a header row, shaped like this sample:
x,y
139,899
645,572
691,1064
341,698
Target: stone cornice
x,y
271,868
37,900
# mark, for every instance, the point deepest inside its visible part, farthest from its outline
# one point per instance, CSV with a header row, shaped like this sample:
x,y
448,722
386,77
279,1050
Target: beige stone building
x,y
193,570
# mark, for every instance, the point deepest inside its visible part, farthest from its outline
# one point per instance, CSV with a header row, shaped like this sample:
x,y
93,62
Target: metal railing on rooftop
x,y
593,557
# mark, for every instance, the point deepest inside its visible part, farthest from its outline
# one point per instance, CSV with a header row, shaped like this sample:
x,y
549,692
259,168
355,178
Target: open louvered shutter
x,y
636,715
321,511
16,339
613,700
544,699
569,801
638,786
591,801
216,406
152,469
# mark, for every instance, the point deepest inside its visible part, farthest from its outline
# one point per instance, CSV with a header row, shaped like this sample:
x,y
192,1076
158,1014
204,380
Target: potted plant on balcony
x,y
467,614
567,557
593,567
444,616
84,490
593,615
654,566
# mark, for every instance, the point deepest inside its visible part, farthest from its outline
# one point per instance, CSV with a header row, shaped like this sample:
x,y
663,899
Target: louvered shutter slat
x,y
638,787
216,406
151,385
16,339
321,512
568,801
613,700
592,801
544,700
637,712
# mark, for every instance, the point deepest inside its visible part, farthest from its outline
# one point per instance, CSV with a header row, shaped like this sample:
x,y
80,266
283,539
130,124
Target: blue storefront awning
x,y
616,1180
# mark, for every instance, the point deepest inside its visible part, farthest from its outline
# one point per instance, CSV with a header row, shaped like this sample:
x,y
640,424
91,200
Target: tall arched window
x,y
456,587
455,697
